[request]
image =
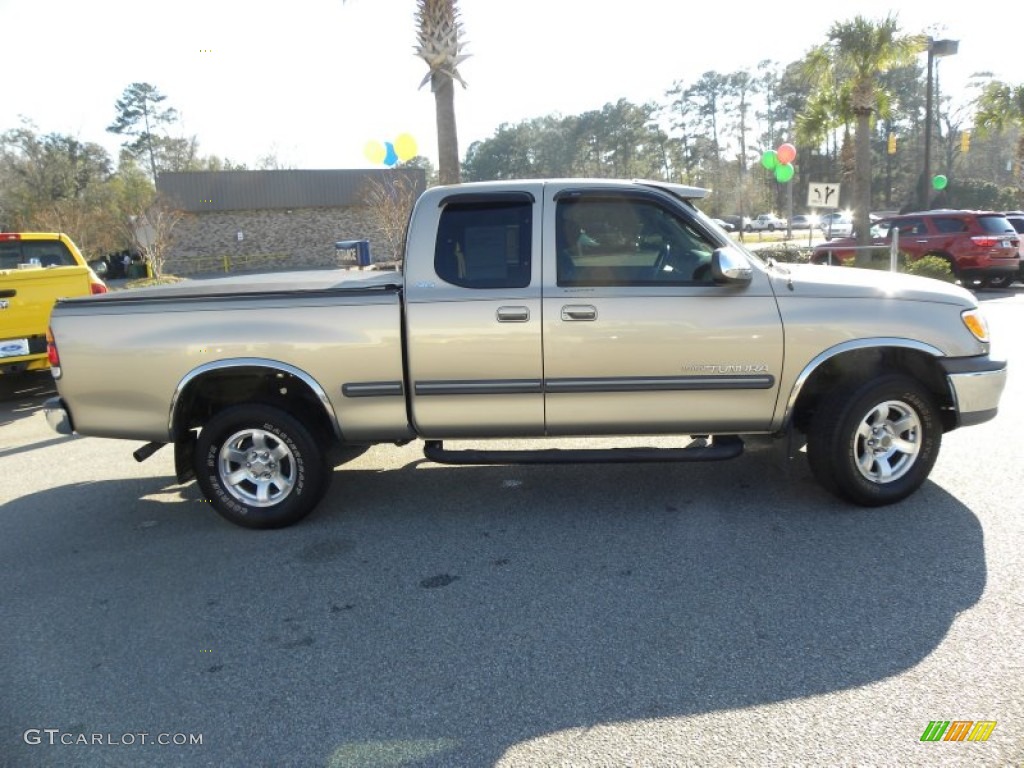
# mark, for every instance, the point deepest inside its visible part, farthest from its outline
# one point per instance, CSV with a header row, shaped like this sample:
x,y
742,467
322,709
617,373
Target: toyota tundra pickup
x,y
36,269
530,309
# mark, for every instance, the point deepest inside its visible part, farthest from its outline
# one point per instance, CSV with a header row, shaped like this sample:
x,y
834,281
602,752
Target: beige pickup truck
x,y
530,309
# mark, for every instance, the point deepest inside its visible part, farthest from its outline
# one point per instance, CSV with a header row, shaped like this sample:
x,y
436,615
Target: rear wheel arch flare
x,y
259,370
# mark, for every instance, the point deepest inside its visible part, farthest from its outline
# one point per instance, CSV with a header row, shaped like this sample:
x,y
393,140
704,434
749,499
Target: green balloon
x,y
770,159
784,172
940,181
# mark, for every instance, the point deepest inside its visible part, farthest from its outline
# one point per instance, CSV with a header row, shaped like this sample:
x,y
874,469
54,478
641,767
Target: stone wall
x,y
204,243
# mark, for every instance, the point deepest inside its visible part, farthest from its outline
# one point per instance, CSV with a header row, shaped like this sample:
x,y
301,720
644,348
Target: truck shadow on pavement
x,y
435,616
22,395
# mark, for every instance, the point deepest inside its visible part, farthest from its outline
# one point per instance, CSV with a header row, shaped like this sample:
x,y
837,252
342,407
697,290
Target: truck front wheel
x,y
259,466
875,443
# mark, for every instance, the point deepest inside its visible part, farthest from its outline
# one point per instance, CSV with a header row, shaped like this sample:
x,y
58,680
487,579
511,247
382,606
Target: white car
x,y
765,222
839,224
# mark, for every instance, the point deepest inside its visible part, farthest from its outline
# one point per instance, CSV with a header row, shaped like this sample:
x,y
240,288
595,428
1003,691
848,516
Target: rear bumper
x,y
22,364
58,417
976,384
35,360
993,269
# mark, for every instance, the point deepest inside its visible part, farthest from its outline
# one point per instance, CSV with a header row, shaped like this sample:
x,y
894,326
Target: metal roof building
x,y
249,220
199,191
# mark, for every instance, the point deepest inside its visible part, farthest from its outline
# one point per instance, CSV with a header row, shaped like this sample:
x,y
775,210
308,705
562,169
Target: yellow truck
x,y
36,269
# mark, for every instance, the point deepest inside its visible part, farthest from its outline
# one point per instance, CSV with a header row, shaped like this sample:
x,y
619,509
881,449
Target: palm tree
x,y
856,53
825,111
1001,107
439,44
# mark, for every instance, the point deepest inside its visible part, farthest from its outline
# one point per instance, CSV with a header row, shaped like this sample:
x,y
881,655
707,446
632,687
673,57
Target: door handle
x,y
513,314
572,312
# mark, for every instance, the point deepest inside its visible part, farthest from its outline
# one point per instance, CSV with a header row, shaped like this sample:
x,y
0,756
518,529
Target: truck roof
x,y
679,190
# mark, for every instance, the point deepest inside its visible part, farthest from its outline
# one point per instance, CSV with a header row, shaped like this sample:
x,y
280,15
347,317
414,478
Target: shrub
x,y
932,266
786,252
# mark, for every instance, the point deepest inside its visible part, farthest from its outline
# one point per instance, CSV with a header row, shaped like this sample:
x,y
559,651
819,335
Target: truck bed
x,y
334,327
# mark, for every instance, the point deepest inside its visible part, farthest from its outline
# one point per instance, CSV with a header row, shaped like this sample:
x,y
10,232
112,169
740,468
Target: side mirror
x,y
729,265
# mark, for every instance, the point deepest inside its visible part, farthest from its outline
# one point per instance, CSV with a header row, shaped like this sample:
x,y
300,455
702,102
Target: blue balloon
x,y
390,156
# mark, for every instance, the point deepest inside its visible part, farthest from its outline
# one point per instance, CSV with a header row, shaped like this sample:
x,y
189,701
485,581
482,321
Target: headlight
x,y
975,322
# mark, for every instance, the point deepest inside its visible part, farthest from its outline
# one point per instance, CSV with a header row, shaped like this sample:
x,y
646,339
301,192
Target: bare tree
x,y
147,221
390,202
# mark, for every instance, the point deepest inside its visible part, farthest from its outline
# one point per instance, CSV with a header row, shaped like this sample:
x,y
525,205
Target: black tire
x,y
251,451
896,412
1000,281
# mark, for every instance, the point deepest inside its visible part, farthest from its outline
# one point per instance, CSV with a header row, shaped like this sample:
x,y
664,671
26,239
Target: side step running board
x,y
723,447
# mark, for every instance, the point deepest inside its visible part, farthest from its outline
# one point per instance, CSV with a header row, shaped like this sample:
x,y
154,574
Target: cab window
x,y
484,244
45,253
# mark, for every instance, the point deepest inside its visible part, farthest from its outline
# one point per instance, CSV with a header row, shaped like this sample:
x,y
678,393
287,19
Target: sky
x,y
313,81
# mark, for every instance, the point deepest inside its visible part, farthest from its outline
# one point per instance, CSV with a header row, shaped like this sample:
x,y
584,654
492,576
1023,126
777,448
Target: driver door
x,y
638,339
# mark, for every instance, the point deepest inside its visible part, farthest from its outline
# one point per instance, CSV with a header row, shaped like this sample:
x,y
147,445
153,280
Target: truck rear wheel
x,y
875,442
259,466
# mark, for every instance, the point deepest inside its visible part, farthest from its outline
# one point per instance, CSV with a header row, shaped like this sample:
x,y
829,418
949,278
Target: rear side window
x,y
484,244
45,253
996,225
1017,222
947,224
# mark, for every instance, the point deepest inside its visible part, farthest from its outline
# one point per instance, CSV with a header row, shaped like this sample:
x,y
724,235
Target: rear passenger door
x,y
473,319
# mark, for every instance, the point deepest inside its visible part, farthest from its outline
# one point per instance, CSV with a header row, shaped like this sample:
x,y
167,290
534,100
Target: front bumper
x,y
58,417
976,384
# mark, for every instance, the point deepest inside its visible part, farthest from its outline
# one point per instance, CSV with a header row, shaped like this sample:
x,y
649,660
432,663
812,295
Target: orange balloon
x,y
786,153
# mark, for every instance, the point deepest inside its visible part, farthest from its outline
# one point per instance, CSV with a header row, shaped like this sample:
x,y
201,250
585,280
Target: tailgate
x,y
27,296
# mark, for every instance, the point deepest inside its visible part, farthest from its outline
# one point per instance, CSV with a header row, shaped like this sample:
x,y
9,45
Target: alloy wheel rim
x,y
888,442
257,467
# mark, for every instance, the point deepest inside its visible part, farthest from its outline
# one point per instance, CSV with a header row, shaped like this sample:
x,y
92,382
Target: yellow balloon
x,y
374,152
405,147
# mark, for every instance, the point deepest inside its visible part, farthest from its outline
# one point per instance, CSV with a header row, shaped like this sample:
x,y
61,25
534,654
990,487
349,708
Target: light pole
x,y
936,49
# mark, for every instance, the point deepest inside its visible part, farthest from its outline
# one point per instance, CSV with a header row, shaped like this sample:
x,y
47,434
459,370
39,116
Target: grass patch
x,y
147,282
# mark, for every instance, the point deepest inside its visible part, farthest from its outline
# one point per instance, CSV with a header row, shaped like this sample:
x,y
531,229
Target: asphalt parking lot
x,y
642,615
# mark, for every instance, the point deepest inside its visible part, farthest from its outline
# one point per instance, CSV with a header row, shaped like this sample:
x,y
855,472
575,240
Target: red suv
x,y
981,247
